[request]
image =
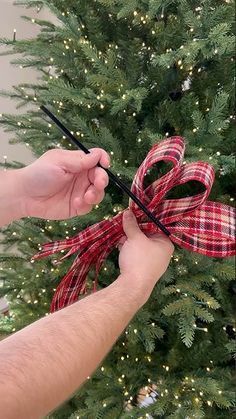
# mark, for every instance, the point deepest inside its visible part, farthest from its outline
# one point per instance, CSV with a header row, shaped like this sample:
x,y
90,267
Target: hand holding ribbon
x,y
194,223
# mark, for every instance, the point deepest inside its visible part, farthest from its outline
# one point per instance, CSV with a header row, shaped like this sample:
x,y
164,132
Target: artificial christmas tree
x,y
123,76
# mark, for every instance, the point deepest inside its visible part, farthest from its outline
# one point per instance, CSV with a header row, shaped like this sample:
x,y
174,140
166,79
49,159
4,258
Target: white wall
x,y
11,75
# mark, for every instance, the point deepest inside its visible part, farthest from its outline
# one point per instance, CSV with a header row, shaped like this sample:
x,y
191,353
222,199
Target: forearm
x,y
11,204
51,358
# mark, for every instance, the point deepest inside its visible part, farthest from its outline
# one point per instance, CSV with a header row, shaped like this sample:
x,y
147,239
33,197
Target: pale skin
x,y
45,363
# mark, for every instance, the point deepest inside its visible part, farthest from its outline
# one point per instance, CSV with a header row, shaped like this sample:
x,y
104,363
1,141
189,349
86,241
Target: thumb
x,y
77,161
130,225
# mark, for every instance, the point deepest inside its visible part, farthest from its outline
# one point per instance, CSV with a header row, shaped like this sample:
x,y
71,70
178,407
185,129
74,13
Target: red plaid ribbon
x,y
193,222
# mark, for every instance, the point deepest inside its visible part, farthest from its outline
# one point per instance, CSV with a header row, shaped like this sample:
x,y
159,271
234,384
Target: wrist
x,y
140,290
11,196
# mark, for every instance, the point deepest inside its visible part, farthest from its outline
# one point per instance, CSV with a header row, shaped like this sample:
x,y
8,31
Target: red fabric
x,y
194,223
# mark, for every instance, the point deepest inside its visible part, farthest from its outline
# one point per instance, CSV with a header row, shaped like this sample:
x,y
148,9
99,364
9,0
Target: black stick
x,y
114,178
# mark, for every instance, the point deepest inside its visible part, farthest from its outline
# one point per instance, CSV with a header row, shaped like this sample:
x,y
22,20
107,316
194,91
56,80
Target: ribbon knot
x,y
194,223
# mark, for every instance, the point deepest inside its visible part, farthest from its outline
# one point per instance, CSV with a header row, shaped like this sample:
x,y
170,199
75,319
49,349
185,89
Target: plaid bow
x,y
193,222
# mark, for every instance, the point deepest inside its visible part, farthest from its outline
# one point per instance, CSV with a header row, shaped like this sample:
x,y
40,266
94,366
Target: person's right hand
x,y
143,260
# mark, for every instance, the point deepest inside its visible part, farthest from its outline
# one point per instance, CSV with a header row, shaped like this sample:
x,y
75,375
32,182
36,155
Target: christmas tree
x,y
122,75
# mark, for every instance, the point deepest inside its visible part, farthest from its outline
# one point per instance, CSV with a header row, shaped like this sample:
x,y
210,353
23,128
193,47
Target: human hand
x,y
62,184
143,260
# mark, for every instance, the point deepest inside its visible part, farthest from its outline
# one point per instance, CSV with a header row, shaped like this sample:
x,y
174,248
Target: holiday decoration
x,y
122,75
193,222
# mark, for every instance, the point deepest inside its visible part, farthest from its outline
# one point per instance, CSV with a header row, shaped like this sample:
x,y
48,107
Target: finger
x,y
130,225
80,208
77,161
121,243
163,241
92,196
98,177
104,157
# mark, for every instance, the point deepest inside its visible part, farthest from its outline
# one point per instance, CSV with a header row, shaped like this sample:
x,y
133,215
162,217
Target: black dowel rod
x,y
114,178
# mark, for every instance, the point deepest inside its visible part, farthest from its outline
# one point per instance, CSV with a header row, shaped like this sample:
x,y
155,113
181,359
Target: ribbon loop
x,y
170,150
173,210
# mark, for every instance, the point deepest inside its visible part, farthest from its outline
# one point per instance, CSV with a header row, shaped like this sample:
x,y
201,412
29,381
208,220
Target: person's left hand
x,y
62,184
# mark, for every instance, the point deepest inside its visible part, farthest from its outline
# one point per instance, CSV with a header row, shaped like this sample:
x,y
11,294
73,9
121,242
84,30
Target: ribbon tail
x,y
73,284
209,230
